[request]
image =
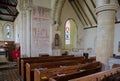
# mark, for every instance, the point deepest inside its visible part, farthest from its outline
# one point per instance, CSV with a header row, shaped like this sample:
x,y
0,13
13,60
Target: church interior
x,y
59,40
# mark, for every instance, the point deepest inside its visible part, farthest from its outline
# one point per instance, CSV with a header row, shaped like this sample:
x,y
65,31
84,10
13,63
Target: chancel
x,y
59,40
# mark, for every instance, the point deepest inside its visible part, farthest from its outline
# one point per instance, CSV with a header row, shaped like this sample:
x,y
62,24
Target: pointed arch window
x,y
67,32
70,34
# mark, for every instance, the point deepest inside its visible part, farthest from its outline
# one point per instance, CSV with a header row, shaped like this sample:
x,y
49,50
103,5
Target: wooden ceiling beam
x,y
80,12
7,14
16,2
90,27
90,11
15,16
6,20
93,3
7,4
9,10
70,1
84,12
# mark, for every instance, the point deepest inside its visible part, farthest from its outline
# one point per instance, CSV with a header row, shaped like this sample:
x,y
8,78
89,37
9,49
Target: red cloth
x,y
16,54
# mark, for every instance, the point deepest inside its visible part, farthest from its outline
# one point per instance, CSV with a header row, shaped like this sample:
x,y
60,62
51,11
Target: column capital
x,y
106,7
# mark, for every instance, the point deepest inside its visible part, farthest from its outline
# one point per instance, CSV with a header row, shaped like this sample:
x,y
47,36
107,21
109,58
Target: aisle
x,y
9,72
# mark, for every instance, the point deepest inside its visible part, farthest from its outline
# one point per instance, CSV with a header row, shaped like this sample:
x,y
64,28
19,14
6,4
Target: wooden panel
x,y
10,47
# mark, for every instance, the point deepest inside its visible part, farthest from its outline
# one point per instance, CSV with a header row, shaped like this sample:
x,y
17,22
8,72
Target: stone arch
x,y
57,11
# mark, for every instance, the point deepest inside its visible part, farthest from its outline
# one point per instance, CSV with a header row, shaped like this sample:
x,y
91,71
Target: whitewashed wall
x,y
116,39
17,29
90,40
42,3
117,33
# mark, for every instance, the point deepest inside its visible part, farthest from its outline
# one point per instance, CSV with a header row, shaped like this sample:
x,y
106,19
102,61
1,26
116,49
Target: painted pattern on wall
x,y
40,30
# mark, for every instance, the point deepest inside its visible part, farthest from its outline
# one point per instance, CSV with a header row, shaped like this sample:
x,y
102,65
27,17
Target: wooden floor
x,y
8,70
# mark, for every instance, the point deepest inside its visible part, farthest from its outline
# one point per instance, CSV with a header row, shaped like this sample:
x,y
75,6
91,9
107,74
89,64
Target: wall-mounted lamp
x,y
6,43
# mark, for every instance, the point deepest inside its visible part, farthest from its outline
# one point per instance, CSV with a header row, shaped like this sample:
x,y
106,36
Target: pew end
x,y
98,76
36,75
28,72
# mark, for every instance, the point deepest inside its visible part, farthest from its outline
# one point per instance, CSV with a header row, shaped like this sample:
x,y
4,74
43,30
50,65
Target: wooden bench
x,y
115,65
30,58
76,74
31,66
91,59
23,62
19,62
101,76
49,73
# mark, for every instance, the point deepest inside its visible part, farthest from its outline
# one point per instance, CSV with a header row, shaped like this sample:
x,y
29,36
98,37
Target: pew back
x,y
30,58
43,60
76,75
97,76
40,75
31,66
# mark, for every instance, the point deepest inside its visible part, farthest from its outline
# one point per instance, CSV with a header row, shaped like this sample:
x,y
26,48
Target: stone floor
x,y
8,70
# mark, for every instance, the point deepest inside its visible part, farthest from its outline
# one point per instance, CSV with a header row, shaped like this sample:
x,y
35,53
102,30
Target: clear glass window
x,y
8,32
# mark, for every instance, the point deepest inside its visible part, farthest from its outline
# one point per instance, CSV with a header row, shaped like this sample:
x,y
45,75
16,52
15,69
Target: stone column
x,y
23,34
28,32
105,31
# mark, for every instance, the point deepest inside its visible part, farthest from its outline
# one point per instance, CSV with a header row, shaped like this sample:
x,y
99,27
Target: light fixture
x,y
6,43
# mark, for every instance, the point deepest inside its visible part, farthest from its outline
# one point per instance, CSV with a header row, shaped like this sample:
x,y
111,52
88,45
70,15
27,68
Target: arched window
x,y
1,32
67,32
70,34
7,30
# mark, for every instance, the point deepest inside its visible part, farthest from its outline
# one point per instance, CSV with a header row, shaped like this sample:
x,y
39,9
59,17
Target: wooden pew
x,y
30,58
23,62
115,65
76,75
91,59
19,62
49,73
31,66
98,76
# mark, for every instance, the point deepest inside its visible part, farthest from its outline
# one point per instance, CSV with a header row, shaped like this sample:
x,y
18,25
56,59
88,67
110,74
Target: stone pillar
x,y
28,33
23,34
105,31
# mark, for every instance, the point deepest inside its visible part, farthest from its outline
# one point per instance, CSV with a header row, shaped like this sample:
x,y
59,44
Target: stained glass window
x,y
67,32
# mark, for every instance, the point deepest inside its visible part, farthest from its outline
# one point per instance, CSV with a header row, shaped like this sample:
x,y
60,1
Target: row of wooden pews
x,y
44,60
108,75
49,63
32,58
67,72
23,61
